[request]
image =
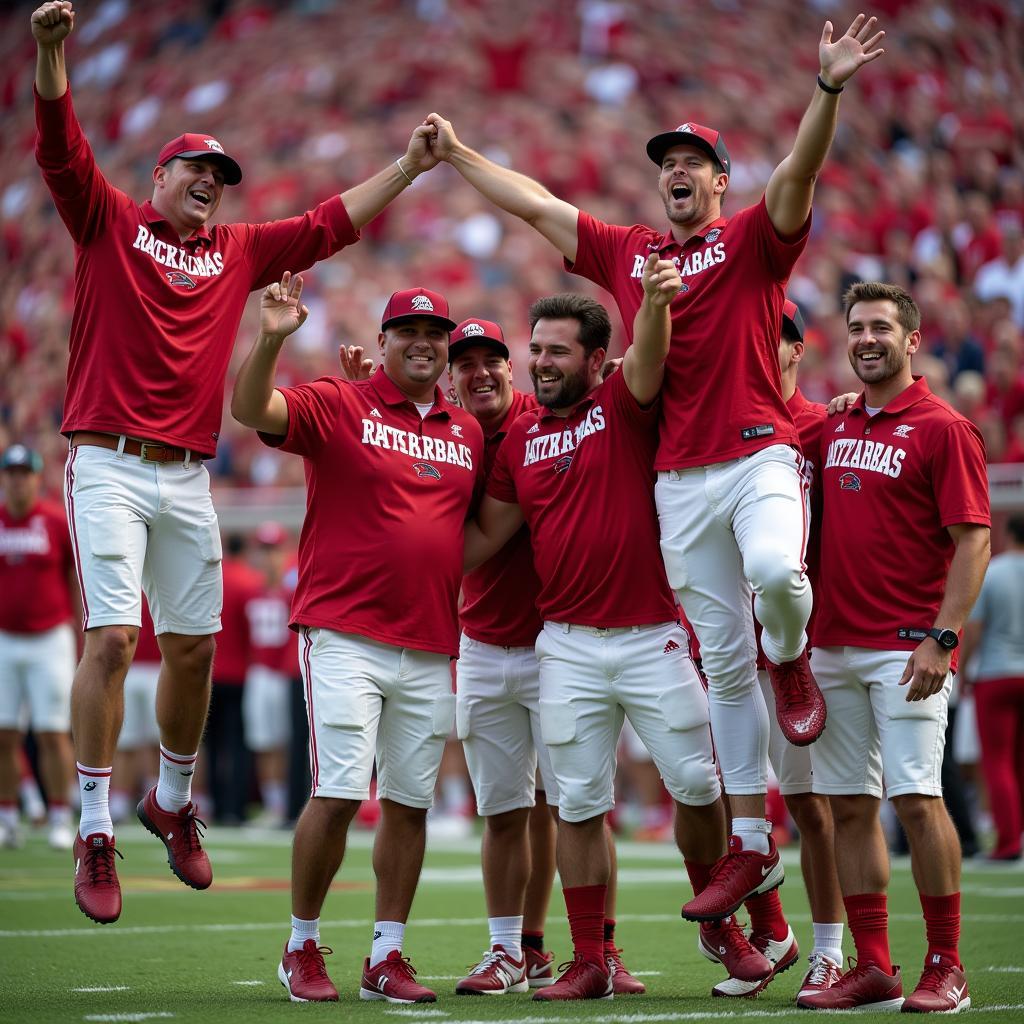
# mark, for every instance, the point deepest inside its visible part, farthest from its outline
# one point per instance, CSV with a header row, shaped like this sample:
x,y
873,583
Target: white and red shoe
x,y
822,973
304,974
942,989
781,954
540,970
97,890
394,980
723,942
496,974
736,877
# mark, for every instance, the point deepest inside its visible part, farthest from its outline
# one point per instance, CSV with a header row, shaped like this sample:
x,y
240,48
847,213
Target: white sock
x,y
828,939
507,932
753,832
31,798
59,814
94,787
302,930
174,790
9,815
387,935
274,795
120,805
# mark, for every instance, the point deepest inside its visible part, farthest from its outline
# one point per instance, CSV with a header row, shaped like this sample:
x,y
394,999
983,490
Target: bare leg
x,y
97,694
700,832
862,860
317,852
10,740
582,852
817,855
183,690
398,858
505,858
543,833
934,846
56,765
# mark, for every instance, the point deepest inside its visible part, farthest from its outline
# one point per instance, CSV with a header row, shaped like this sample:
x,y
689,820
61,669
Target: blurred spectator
x,y
1003,276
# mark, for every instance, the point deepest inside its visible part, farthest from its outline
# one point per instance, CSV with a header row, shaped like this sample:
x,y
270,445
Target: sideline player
x,y
729,488
38,599
392,469
159,297
611,643
899,459
769,931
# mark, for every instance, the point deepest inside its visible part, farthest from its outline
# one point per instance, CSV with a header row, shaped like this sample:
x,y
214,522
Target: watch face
x,y
948,639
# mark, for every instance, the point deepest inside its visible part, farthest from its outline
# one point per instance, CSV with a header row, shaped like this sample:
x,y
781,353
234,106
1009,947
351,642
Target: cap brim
x,y
449,325
232,172
456,348
661,144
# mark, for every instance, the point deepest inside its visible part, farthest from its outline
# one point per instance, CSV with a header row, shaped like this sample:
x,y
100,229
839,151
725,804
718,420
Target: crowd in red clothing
x,y
924,186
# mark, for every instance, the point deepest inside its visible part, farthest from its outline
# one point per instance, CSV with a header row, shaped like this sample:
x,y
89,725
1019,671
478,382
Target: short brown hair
x,y
595,327
908,314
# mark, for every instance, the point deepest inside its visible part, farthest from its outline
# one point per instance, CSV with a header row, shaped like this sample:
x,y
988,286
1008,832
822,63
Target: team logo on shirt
x,y
426,470
456,430
535,429
713,235
179,280
849,482
841,428
562,464
18,541
903,430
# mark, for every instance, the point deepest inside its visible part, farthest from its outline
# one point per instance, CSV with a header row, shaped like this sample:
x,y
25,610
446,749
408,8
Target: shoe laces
x,y
730,933
491,958
574,966
794,683
403,964
821,968
613,957
99,862
855,972
192,833
311,962
725,867
935,976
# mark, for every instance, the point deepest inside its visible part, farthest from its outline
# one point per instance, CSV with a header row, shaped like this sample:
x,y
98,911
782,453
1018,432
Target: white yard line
x,y
103,988
128,1018
253,982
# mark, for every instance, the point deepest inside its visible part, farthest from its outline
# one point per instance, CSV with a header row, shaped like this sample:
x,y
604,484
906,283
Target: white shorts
x,y
140,727
497,717
265,709
872,730
631,745
792,765
365,698
139,526
589,679
36,672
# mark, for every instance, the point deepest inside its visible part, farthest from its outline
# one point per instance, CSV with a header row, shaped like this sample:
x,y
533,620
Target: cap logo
x,y
422,304
213,144
472,330
685,128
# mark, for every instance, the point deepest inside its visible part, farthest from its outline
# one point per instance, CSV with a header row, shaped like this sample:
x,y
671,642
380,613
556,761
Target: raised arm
x,y
643,365
51,25
495,525
255,402
513,192
791,186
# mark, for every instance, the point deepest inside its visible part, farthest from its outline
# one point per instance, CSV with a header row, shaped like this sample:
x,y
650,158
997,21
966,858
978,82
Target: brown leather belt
x,y
147,451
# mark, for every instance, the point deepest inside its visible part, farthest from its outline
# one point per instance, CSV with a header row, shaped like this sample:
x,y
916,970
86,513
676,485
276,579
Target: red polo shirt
x,y
155,318
500,597
586,487
722,396
234,651
891,484
388,493
36,566
273,643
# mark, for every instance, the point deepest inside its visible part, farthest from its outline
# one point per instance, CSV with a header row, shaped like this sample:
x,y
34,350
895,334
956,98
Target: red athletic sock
x,y
535,940
699,874
869,925
585,907
942,925
766,916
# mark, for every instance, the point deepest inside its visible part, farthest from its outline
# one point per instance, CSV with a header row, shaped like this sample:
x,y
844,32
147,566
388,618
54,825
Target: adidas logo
x,y
535,429
376,412
841,428
670,647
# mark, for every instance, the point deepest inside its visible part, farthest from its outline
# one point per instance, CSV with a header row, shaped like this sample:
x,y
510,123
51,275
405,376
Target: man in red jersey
x,y
392,470
38,599
159,296
497,715
729,488
770,932
611,643
904,547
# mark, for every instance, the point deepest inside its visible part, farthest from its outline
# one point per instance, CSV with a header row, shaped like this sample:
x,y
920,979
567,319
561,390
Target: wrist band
x,y
406,176
830,89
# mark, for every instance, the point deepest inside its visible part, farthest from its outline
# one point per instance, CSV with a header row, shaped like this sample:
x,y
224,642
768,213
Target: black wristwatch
x,y
945,638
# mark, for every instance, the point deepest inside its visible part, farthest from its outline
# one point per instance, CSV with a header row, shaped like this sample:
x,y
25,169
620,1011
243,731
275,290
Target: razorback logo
x,y
849,482
426,470
214,145
179,280
422,304
472,330
562,464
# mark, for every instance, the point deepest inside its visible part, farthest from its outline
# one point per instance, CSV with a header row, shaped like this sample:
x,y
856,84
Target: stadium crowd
x,y
924,186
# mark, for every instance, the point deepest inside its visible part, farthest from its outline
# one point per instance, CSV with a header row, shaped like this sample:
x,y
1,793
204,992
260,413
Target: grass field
x,y
212,956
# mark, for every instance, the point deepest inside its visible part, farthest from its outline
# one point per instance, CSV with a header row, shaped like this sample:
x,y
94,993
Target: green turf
x,y
212,956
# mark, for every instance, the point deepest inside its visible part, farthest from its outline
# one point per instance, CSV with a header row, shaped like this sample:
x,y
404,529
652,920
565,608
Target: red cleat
x,y
725,944
736,877
97,890
623,983
823,972
942,989
780,954
394,980
304,974
538,967
179,832
496,974
799,705
860,988
583,979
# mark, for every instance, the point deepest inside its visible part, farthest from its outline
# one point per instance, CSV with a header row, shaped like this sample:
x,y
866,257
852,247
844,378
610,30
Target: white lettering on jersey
x,y
550,446
874,456
695,263
209,265
33,539
268,621
417,446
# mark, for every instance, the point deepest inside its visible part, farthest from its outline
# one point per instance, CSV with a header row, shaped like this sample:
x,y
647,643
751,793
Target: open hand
x,y
841,59
281,313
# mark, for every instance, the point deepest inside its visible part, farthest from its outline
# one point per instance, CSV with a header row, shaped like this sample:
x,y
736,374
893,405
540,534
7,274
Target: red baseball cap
x,y
691,134
194,144
476,332
415,302
792,322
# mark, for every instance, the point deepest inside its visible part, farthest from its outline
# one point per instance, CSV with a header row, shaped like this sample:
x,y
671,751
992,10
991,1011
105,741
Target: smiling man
x,y
159,296
392,469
